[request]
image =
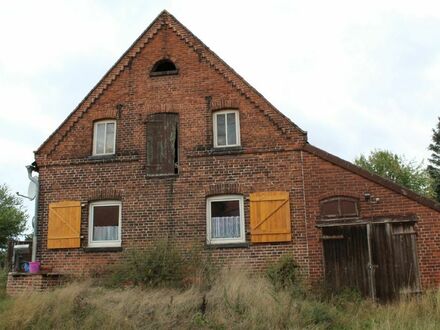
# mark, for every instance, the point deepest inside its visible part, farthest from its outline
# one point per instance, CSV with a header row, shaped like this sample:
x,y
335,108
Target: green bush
x,y
161,265
3,280
283,274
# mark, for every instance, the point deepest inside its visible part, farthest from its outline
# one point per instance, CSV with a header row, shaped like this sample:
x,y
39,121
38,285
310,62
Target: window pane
x,y
110,138
225,208
221,130
225,219
105,223
348,208
100,137
330,209
232,136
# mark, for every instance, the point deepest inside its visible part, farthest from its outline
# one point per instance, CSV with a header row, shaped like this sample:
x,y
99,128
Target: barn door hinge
x,y
371,266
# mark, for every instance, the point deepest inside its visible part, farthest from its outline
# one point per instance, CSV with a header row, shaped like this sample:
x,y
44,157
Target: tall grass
x,y
234,301
4,300
162,288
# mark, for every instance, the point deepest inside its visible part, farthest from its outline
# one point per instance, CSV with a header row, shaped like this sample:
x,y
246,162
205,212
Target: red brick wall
x,y
175,207
19,283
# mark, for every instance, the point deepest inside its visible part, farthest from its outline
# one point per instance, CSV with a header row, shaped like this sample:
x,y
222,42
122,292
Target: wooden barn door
x,y
394,260
346,258
379,260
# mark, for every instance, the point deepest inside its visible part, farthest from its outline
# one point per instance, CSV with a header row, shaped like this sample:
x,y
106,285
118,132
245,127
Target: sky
x,y
356,75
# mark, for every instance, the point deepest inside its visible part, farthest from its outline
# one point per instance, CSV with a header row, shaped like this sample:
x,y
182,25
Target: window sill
x,y
164,73
103,157
225,150
227,245
161,176
103,249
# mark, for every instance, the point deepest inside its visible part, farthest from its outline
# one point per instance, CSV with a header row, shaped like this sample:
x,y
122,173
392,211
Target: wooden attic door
x,y
64,225
270,217
162,143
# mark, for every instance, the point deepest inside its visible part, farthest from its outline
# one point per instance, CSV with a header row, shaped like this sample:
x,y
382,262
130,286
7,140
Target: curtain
x,y
225,227
105,233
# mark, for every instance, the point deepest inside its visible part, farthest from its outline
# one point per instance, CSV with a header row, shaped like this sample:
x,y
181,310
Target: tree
x,y
434,160
396,168
12,218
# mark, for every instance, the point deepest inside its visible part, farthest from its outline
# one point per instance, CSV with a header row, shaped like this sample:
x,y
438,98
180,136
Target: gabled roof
x,y
372,177
166,20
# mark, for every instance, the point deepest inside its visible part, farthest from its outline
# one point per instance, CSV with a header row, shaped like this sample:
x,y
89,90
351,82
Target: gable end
x,y
166,20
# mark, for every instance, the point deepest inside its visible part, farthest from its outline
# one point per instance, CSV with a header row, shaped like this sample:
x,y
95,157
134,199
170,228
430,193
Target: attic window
x,y
163,68
339,207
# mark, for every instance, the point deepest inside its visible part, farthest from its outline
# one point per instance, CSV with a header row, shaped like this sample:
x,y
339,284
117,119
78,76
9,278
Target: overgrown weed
x,y
232,299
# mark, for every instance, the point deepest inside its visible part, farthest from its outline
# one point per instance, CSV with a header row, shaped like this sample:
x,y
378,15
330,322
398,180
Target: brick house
x,y
173,143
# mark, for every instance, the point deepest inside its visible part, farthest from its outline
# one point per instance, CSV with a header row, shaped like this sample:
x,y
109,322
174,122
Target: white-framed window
x,y
105,224
225,219
104,137
226,128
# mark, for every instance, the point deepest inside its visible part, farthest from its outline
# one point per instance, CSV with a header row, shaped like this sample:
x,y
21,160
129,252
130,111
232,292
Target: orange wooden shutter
x,y
64,225
270,217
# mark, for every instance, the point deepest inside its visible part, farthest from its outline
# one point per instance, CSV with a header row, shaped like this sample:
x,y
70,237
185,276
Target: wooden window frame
x,y
104,243
339,199
237,128
95,138
223,198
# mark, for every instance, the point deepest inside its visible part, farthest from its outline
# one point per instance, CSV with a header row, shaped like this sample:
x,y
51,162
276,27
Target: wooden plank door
x,y
405,258
162,143
382,262
394,257
346,258
379,260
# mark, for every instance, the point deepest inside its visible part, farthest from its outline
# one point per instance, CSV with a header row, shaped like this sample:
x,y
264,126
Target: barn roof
x,y
372,177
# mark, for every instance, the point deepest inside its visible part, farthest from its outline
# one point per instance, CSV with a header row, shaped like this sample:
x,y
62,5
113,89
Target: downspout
x,y
305,213
34,179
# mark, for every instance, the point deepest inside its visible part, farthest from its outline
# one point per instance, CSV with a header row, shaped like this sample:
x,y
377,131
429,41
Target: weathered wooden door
x,y
162,143
394,260
346,258
379,260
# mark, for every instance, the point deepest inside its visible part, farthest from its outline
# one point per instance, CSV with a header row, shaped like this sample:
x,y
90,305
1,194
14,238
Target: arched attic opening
x,y
164,67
